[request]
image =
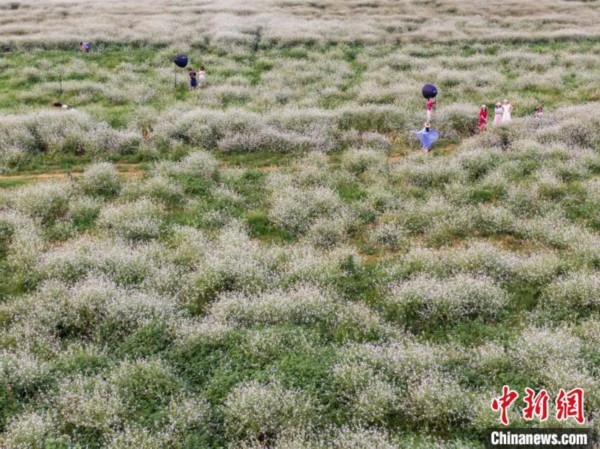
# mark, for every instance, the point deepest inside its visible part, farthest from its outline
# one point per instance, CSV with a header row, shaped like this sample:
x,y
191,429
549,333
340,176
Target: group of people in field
x,y
502,115
502,111
197,78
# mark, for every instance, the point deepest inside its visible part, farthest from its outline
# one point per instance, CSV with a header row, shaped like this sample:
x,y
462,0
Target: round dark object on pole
x,y
181,61
429,91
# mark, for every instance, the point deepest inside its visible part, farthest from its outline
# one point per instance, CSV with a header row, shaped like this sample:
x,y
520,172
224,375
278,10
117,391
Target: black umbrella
x,y
429,91
181,61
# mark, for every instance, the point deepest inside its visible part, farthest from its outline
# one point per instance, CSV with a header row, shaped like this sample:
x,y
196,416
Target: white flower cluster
x,y
57,131
93,309
159,188
84,209
88,403
30,430
304,304
140,220
579,292
22,238
427,299
261,413
296,209
481,259
425,173
553,357
401,377
135,436
306,264
389,236
231,262
198,164
22,373
43,201
117,260
437,401
359,160
237,130
102,405
100,180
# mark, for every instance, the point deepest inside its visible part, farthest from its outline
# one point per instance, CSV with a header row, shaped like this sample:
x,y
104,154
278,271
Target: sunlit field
x,y
271,260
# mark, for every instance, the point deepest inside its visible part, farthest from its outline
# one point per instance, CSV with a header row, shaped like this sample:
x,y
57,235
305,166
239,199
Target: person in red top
x,y
430,105
482,118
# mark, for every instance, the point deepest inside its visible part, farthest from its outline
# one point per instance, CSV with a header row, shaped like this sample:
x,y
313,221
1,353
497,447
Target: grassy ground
x,y
270,261
39,77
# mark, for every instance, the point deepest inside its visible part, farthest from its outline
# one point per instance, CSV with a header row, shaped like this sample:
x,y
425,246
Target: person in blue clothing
x,y
193,78
85,47
427,136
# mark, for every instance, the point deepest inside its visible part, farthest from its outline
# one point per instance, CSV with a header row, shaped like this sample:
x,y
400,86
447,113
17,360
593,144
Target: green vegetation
x,y
270,261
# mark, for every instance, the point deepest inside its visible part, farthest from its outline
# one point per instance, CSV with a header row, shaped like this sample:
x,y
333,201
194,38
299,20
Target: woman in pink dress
x,y
498,114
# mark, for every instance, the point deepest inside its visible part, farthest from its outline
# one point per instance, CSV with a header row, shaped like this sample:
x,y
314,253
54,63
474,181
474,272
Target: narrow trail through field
x,y
132,170
126,170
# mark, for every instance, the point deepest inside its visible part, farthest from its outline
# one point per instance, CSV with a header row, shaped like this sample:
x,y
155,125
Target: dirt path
x,y
128,171
40,176
269,168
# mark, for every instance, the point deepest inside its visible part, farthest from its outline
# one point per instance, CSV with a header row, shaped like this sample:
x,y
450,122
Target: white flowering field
x,y
271,261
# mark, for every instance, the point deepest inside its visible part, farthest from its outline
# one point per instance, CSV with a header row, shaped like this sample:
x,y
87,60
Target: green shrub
x,y
145,387
100,180
262,413
140,220
46,201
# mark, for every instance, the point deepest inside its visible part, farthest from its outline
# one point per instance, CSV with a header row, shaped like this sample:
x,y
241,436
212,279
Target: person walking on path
x,y
506,112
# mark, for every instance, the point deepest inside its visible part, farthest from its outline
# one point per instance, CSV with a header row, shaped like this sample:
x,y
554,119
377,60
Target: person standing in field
x,y
430,105
84,47
193,78
202,76
483,115
498,114
539,112
506,112
427,136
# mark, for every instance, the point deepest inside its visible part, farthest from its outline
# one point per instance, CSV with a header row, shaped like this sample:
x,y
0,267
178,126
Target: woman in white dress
x,y
506,112
202,76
